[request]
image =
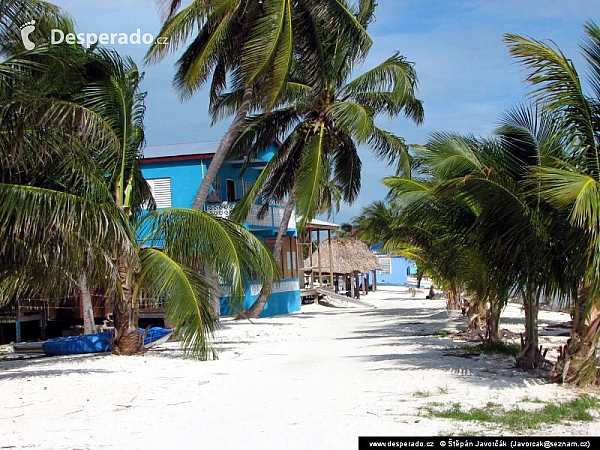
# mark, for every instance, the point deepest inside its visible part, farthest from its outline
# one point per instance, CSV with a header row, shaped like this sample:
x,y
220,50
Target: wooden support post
x,y
310,250
365,278
319,258
330,259
352,293
299,261
374,281
18,323
336,284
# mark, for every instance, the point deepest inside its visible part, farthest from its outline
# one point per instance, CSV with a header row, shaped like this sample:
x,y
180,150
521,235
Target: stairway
x,y
330,293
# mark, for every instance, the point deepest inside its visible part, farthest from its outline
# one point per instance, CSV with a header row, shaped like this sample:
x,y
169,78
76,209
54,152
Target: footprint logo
x,y
26,29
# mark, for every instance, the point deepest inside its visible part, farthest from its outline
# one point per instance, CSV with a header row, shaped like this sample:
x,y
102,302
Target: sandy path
x,y
317,379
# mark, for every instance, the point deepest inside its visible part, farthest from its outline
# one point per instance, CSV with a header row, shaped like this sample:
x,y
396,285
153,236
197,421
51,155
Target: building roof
x,y
317,224
182,149
349,255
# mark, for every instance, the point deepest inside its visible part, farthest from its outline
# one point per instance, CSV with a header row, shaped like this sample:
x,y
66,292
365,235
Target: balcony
x,y
271,220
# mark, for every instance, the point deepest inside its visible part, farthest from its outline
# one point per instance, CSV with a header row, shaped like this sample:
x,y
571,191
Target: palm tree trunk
x,y
88,307
419,279
259,305
221,153
492,320
127,337
452,302
578,359
530,356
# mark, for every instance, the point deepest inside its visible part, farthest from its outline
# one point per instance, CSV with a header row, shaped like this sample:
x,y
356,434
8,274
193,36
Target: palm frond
x,y
559,89
187,297
354,117
232,252
312,169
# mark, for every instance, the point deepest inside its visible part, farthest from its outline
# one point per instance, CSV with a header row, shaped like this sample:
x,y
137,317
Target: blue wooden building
x,y
174,173
395,269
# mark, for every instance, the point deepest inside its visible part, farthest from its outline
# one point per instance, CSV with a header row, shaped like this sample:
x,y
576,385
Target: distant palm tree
x,y
250,43
321,129
330,197
347,230
375,223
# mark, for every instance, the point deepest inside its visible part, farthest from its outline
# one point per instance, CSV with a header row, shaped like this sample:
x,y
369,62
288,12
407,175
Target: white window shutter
x,y
386,265
161,191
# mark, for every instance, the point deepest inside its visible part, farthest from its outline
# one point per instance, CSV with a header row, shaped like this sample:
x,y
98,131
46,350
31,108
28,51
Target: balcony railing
x,y
272,218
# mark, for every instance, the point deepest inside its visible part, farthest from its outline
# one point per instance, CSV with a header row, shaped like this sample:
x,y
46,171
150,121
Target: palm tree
x,y
375,224
42,150
472,206
71,199
14,13
252,44
227,249
571,183
321,129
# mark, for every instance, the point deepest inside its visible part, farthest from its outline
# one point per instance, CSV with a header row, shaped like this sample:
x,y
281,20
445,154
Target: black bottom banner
x,y
371,442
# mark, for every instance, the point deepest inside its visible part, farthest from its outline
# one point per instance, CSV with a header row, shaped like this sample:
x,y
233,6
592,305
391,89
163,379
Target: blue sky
x,y
467,80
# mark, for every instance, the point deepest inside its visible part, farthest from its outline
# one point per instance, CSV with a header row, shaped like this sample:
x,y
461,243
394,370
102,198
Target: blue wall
x,y
185,180
398,275
279,303
186,177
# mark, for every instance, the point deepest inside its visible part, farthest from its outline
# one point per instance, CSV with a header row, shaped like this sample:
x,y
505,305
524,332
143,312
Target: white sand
x,y
312,380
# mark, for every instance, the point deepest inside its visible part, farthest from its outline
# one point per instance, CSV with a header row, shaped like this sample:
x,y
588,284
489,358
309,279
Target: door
x,y
231,190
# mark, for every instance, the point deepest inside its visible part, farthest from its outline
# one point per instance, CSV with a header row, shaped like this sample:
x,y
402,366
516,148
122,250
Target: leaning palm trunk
x,y
127,337
259,305
221,153
88,307
578,359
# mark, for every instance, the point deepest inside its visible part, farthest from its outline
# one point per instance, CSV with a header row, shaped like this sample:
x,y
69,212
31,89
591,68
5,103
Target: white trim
x,y
286,286
278,286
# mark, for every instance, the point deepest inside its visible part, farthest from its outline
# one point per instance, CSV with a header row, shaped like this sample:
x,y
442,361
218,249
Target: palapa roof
x,y
349,255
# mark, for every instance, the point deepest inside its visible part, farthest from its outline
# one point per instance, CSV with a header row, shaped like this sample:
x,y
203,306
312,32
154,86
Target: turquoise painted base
x,y
279,303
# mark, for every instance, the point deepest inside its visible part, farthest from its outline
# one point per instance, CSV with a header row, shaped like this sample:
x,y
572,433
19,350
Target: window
x,y
386,265
289,261
161,191
231,190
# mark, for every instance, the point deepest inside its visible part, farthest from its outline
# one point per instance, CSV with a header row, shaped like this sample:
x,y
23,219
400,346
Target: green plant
x,y
71,199
443,390
519,419
422,394
491,348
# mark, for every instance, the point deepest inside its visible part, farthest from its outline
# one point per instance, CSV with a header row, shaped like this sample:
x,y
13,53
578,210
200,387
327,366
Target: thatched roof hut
x,y
349,256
